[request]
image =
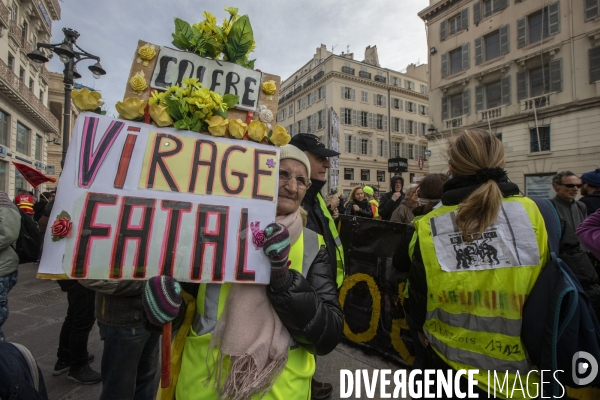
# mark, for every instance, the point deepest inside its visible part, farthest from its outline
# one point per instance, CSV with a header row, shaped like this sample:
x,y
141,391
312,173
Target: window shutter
x,y
504,40
354,121
591,9
404,152
370,120
314,95
314,122
352,94
343,91
465,56
521,32
478,56
444,108
385,148
394,124
554,18
521,85
400,105
375,98
343,115
501,5
370,147
477,12
353,144
464,18
379,147
414,127
304,102
556,84
384,101
465,100
443,31
303,125
479,98
402,125
426,110
385,123
444,65
505,89
594,60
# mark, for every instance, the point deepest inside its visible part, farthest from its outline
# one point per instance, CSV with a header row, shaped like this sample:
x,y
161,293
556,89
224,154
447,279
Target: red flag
x,y
33,176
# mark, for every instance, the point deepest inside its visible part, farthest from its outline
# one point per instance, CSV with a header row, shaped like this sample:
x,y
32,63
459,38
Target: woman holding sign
x,y
250,340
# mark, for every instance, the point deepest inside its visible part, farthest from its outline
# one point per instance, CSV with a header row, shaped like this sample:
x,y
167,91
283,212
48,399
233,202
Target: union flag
x,y
33,176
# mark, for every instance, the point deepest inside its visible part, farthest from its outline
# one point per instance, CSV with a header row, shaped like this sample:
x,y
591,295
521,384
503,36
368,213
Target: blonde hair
x,y
472,151
351,195
303,215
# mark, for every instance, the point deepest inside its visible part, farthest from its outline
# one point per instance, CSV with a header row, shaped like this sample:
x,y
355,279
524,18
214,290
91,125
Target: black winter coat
x,y
364,211
309,308
386,204
592,202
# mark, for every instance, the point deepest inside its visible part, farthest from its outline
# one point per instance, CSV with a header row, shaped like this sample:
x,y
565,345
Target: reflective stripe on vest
x,y
336,238
375,208
212,296
476,290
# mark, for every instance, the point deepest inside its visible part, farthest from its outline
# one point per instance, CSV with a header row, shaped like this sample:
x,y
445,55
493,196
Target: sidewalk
x,y
38,307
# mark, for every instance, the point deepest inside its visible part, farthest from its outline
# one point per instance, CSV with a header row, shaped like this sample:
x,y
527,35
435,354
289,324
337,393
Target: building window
x,y
349,174
23,139
410,85
456,105
493,94
20,182
380,176
3,175
348,93
411,151
395,81
347,116
492,6
4,130
492,45
594,59
309,124
24,29
409,127
397,104
364,119
365,175
310,98
22,74
591,9
379,100
423,110
454,24
31,84
321,92
410,106
382,148
538,25
379,122
456,61
364,146
11,62
39,148
42,96
14,12
541,144
364,96
422,129
398,125
291,109
540,80
423,89
348,142
396,149
320,119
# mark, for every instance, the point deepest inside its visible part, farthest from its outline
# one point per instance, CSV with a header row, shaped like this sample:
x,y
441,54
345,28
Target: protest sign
x,y
146,201
372,293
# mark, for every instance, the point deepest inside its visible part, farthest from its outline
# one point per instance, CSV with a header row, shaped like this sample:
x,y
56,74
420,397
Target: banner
x,y
34,177
372,293
136,201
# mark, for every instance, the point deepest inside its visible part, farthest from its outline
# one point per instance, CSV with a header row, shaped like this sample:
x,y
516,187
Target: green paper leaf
x,y
220,112
63,214
239,40
231,100
232,10
56,238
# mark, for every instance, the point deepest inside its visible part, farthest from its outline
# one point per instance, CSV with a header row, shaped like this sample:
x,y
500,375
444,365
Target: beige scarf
x,y
251,335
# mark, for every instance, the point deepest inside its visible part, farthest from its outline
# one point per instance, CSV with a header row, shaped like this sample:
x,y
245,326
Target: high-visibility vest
x,y
292,383
339,251
375,208
476,291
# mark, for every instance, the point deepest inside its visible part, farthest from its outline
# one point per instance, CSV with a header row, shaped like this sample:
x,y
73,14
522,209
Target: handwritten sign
x,y
147,201
219,76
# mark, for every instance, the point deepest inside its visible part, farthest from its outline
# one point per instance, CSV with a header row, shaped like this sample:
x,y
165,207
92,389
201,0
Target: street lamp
x,y
70,57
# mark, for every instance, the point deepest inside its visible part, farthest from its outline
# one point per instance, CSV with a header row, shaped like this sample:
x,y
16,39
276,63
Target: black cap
x,y
312,144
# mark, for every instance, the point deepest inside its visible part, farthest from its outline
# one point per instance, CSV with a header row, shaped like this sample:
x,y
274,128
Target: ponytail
x,y
480,210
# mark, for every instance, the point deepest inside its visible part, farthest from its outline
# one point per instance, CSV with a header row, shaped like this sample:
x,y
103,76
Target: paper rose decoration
x,y
131,108
257,131
217,125
62,226
147,53
258,235
138,83
279,136
86,99
237,128
269,88
160,115
265,115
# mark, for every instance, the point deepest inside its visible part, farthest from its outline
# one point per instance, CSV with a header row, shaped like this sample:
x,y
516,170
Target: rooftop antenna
x,y
348,49
333,48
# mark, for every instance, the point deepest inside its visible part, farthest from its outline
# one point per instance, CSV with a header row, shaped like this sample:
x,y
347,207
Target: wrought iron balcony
x,y
19,93
4,15
364,74
379,78
307,83
15,33
348,70
298,89
318,75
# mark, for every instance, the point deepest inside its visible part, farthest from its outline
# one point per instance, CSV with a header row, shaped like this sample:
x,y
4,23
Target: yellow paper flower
x,y
257,131
131,108
280,136
237,128
160,115
138,83
269,87
217,125
86,99
147,53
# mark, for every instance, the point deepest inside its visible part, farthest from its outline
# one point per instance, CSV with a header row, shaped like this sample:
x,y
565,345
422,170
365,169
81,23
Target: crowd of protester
x,y
244,340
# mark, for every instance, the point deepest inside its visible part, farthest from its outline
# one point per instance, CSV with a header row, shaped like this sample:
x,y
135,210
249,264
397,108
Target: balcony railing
x,y
308,83
319,75
19,93
364,74
15,32
298,89
379,78
490,114
537,102
42,14
348,70
4,15
454,122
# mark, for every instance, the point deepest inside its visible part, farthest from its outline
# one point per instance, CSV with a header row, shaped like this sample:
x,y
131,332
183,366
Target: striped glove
x,y
277,248
161,299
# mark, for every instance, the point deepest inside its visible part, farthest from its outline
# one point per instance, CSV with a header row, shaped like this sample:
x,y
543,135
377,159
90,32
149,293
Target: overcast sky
x,y
286,32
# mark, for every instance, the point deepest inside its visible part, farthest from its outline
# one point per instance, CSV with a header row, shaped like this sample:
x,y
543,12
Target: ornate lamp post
x,y
70,54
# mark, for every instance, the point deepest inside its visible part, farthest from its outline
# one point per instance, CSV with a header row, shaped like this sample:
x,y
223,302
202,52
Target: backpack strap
x,y
33,368
552,222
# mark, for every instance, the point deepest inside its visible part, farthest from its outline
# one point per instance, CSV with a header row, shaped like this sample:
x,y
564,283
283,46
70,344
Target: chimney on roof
x,y
371,56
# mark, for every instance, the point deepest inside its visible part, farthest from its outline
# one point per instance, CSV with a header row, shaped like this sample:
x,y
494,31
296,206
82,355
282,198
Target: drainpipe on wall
x,y
573,86
389,125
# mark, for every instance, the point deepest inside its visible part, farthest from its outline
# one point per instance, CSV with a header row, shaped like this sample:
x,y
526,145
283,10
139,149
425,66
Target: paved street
x,y
37,309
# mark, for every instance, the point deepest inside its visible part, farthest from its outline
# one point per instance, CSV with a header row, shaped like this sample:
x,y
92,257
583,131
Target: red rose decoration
x,y
61,227
258,239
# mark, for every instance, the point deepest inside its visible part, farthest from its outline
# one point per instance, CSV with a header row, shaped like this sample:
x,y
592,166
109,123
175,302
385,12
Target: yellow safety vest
x,y
339,279
376,210
294,381
476,291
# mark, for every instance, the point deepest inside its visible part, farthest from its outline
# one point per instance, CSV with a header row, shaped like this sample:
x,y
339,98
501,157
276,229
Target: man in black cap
x,y
319,219
591,191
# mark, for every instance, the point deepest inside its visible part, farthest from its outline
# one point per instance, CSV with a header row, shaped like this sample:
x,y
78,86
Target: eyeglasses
x,y
284,177
571,185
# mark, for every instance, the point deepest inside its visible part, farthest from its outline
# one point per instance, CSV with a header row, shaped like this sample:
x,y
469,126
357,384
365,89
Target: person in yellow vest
x,y
247,341
374,203
475,259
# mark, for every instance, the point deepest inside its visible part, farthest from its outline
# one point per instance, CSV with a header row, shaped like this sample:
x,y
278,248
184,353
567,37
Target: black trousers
x,y
72,344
